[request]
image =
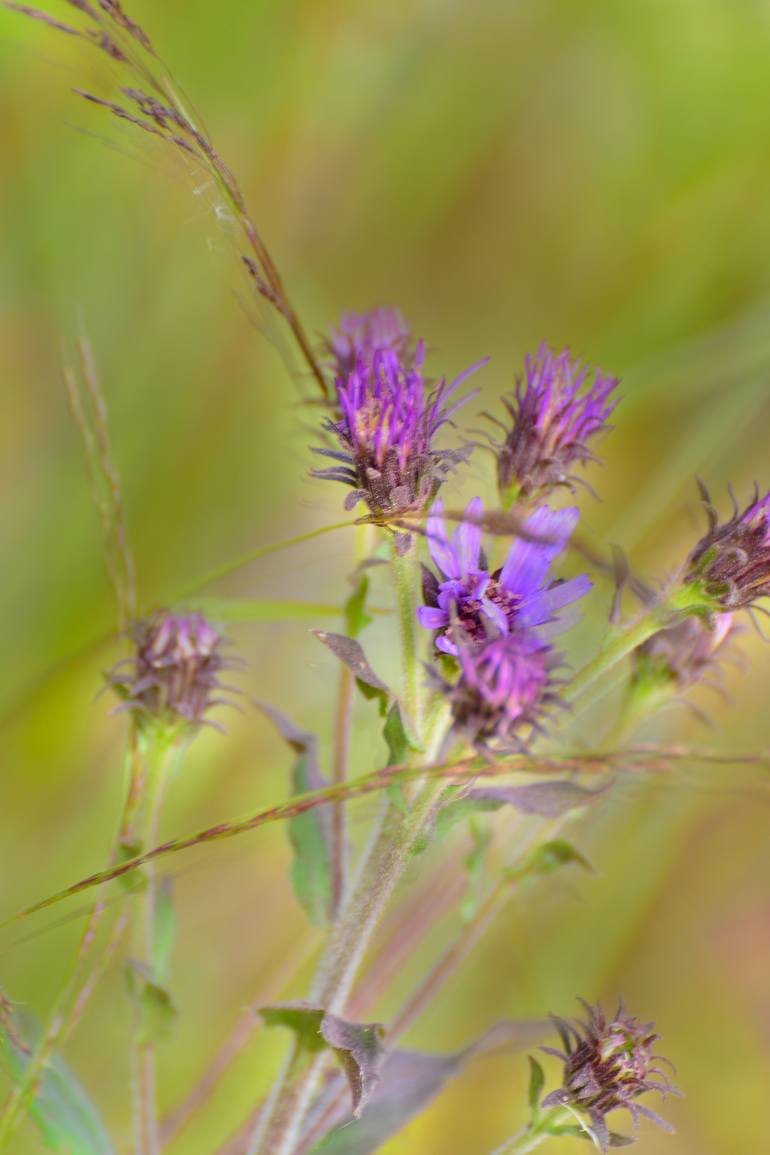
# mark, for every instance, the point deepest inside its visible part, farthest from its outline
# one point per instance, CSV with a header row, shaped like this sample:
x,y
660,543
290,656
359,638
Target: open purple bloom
x,y
361,335
732,561
519,596
174,673
553,414
390,418
608,1064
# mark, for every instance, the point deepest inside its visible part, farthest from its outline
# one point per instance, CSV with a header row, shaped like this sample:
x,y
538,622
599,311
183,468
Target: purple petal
x,y
440,548
432,618
526,567
468,539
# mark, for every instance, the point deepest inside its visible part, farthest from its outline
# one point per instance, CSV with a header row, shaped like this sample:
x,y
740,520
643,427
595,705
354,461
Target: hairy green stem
x,y
405,570
162,752
530,1137
389,852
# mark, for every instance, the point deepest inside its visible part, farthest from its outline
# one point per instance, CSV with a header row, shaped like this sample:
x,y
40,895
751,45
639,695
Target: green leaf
x,y
350,653
164,930
66,1118
356,617
536,1084
357,1046
400,744
548,858
310,832
158,1008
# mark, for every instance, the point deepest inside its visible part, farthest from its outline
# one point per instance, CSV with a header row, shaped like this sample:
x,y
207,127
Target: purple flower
x,y
505,684
732,561
361,335
174,673
520,596
390,418
554,412
608,1064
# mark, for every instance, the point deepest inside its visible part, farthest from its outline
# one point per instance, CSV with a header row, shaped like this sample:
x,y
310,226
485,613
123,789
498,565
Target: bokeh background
x,y
595,174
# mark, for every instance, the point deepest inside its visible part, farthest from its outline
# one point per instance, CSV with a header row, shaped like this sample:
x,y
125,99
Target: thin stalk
x,y
343,726
404,569
161,755
530,1137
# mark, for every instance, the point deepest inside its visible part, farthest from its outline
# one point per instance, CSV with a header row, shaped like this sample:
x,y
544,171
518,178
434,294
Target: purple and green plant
x,y
477,732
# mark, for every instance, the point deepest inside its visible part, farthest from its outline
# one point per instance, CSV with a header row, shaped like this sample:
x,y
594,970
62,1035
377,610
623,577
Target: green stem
x,y
621,641
280,1125
536,1133
405,570
161,754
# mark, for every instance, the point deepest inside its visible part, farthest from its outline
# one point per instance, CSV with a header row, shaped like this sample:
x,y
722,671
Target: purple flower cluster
x,y
174,674
732,561
553,414
498,625
390,416
608,1064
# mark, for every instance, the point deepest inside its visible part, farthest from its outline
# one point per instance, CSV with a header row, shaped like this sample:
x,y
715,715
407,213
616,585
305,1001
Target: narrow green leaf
x,y
66,1118
309,832
475,864
536,1084
356,617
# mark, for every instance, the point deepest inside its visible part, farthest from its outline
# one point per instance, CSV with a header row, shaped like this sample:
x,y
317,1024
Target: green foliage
x,y
309,832
67,1120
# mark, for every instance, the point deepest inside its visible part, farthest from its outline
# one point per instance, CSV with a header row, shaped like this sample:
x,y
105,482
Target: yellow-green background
x,y
592,173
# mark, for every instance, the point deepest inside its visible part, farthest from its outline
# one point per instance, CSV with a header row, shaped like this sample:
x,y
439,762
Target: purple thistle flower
x,y
732,561
174,673
554,412
505,684
519,596
684,653
390,417
608,1064
361,335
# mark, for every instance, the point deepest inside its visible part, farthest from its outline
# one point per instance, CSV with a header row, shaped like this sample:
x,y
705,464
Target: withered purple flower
x,y
361,335
390,418
684,653
520,595
732,561
608,1064
555,411
173,675
505,685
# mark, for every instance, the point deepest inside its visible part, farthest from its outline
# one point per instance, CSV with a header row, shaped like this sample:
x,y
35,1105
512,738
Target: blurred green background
x,y
594,174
